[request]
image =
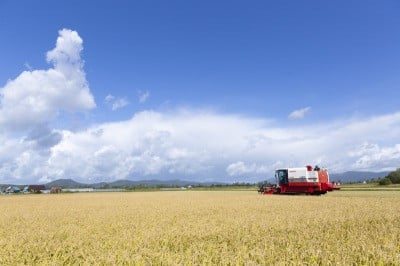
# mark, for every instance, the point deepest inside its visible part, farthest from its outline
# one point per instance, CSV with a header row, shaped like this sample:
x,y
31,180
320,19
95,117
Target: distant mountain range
x,y
356,176
346,177
69,183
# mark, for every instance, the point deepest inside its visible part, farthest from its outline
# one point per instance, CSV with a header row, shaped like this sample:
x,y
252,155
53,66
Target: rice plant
x,y
200,227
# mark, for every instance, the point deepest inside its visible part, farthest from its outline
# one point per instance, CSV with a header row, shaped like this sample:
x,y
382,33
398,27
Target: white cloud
x,y
116,103
143,96
119,103
240,168
109,98
36,97
299,114
28,66
195,144
22,160
373,156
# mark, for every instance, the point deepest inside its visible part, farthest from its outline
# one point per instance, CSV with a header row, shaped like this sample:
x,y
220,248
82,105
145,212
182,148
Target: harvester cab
x,y
281,177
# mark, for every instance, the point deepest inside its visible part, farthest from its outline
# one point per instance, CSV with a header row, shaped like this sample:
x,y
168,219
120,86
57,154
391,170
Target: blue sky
x,y
202,90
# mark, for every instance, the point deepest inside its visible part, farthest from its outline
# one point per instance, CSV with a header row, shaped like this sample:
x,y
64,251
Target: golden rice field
x,y
200,227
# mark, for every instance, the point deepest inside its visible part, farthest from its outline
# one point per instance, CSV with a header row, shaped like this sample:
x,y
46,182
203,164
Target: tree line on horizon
x,y
391,178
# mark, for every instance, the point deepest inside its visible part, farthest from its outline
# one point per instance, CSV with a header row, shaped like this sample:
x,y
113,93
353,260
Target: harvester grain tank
x,y
300,180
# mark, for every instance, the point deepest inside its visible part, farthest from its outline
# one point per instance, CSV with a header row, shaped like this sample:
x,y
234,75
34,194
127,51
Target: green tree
x,y
394,176
385,181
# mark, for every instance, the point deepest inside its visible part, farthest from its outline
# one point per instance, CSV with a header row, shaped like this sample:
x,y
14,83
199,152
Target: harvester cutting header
x,y
300,180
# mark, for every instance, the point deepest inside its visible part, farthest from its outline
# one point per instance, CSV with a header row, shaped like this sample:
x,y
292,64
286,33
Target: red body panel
x,y
306,181
320,187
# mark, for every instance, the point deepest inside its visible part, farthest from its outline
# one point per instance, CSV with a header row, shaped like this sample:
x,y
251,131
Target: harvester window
x,y
282,176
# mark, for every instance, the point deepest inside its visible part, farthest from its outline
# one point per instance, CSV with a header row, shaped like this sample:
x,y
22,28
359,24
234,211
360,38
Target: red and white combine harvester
x,y
300,180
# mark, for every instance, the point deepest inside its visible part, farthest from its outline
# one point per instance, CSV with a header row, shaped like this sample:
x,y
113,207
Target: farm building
x,y
55,190
12,189
34,188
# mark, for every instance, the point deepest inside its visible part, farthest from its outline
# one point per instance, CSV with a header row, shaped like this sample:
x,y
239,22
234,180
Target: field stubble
x,y
200,227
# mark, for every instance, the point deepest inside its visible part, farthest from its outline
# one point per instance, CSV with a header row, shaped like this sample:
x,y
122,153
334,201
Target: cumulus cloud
x,y
37,96
299,114
373,156
43,137
116,103
150,143
199,145
193,144
21,161
143,96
